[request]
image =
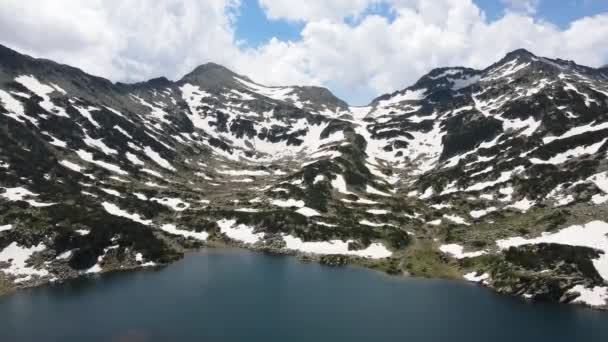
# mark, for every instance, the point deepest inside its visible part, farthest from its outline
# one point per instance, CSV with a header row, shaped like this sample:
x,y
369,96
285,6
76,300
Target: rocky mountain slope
x,y
497,175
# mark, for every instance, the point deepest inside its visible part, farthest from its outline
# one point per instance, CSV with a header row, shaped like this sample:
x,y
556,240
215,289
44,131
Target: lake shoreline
x,y
331,261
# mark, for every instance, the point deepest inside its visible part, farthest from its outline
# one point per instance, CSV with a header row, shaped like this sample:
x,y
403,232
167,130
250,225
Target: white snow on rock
x,y
133,159
86,113
155,185
71,166
111,192
17,256
577,131
325,224
596,296
440,206
530,124
173,203
244,180
340,184
482,212
418,119
140,196
428,193
97,267
247,210
373,251
140,258
6,227
100,145
456,219
506,69
592,234
157,158
113,209
88,157
473,277
372,190
65,255
15,108
17,193
243,172
118,113
601,181
563,157
123,132
287,203
522,205
370,223
22,194
359,113
599,198
152,172
464,81
408,95
378,211
318,178
155,111
457,251
275,93
239,232
308,212
172,229
504,176
42,90
426,147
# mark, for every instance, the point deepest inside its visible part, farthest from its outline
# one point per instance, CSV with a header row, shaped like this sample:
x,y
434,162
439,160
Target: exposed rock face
x,y
441,178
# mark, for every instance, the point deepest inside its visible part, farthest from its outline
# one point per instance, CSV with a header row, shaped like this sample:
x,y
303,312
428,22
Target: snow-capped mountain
x,y
497,175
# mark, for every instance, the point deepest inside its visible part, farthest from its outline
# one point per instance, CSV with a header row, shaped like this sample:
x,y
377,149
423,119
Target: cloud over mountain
x,y
358,58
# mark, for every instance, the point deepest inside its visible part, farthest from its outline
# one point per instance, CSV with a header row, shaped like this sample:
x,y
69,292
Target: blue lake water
x,y
236,295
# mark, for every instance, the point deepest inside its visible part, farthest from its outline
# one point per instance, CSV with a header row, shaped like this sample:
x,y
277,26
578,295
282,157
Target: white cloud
x,y
523,6
311,10
125,40
138,39
378,55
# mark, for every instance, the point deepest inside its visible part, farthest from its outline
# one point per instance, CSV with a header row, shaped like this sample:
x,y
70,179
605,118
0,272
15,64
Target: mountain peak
x,y
521,53
210,67
211,76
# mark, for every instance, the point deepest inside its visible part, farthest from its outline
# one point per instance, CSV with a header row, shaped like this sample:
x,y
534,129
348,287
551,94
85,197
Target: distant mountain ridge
x,y
496,175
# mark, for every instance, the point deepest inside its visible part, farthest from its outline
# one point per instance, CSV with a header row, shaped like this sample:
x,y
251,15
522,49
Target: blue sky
x,y
253,28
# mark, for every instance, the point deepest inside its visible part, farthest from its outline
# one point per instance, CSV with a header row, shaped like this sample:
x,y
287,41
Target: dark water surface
x,y
224,295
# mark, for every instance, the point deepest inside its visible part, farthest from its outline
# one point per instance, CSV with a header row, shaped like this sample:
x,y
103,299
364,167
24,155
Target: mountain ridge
x,y
480,174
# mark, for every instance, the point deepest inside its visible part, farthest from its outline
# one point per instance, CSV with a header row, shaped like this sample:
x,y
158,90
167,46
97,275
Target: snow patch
x,y
239,232
113,209
172,229
592,234
373,251
457,251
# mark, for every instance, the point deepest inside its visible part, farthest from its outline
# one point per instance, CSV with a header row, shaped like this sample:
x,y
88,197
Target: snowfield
x,y
457,251
374,251
172,229
17,257
593,234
